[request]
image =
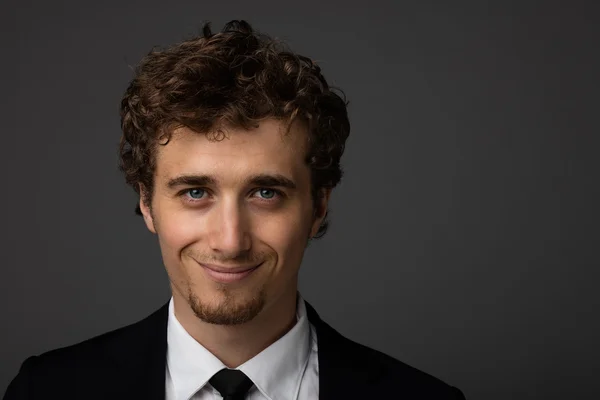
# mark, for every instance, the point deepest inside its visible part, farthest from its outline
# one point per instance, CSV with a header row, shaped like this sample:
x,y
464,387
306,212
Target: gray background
x,y
464,232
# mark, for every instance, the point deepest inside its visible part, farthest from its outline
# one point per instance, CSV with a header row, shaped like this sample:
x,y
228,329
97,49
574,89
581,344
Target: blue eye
x,y
267,193
196,193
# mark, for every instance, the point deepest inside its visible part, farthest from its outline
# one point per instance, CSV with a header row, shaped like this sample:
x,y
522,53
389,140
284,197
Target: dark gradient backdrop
x,y
464,237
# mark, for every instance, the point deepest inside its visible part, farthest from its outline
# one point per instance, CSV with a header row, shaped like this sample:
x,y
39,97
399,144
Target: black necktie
x,y
231,383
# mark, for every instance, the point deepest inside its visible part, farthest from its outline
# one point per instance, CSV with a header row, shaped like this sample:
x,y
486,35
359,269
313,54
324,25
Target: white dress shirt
x,y
286,370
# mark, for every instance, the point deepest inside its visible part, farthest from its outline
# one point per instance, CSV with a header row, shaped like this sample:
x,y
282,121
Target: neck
x,y
236,344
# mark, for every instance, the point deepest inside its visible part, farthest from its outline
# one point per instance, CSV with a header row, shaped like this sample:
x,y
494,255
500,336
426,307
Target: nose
x,y
230,235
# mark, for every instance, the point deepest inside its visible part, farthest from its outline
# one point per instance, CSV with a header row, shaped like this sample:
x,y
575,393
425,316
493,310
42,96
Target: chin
x,y
228,307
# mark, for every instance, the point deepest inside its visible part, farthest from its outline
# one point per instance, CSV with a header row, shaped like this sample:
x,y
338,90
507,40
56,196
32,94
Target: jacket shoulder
x,y
370,372
84,363
93,351
387,374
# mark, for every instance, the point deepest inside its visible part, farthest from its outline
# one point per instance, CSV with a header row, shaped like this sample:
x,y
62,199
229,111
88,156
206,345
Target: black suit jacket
x,y
130,362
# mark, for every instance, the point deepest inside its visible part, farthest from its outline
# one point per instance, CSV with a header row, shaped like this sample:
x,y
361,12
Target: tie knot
x,y
231,383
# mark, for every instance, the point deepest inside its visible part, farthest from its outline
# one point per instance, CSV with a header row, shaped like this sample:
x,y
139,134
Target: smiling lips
x,y
227,274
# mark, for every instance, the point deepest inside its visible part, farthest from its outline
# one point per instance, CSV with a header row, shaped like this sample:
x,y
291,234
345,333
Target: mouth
x,y
223,274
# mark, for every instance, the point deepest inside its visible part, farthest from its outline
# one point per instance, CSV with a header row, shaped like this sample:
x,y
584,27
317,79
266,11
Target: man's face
x,y
240,204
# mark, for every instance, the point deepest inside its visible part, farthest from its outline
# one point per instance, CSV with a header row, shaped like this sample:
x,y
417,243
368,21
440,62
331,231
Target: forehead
x,y
269,148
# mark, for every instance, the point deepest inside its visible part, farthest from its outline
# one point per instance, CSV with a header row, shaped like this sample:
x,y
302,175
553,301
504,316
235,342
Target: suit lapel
x,y
342,370
141,358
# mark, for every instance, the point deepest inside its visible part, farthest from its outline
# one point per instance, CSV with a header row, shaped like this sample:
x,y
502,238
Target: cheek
x,y
287,234
176,230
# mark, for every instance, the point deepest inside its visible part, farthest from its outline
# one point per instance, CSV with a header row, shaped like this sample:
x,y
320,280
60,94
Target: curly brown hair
x,y
236,78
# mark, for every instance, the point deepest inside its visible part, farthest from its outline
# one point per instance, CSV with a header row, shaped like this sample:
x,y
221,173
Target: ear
x,y
146,210
320,210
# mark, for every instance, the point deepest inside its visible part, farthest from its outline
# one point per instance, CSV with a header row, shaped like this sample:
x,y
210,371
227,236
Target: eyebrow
x,y
267,180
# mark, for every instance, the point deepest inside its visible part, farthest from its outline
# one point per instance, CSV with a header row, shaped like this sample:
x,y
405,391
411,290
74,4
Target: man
x,y
233,144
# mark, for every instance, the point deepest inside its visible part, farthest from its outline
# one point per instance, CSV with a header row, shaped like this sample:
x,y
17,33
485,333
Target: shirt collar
x,y
276,371
190,364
